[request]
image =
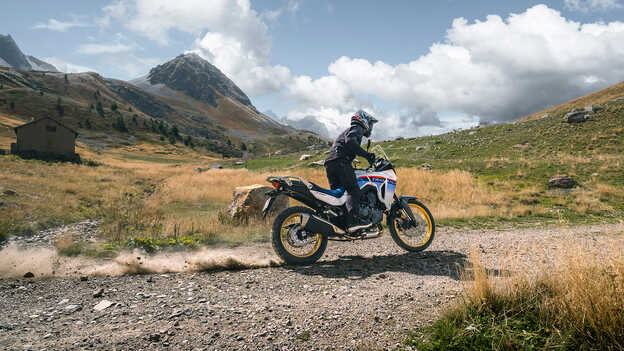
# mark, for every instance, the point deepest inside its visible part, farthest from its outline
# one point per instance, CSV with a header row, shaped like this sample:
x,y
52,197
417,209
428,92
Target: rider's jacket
x,y
347,145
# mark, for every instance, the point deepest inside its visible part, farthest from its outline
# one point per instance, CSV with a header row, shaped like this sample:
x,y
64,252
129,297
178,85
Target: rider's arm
x,y
354,138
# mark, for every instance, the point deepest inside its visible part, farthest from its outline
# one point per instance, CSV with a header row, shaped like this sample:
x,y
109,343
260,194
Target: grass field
x,y
575,305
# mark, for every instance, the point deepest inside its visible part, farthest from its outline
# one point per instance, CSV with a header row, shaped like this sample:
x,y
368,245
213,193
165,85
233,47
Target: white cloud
x,y
60,26
496,69
106,48
67,67
591,5
235,39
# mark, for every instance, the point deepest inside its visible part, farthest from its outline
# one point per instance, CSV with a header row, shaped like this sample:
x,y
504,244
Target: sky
x,y
420,67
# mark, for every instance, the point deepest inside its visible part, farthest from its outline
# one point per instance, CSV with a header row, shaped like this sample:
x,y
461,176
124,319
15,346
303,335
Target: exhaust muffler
x,y
314,224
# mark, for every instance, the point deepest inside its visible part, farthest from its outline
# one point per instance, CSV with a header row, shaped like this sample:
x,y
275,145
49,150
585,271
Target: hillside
x,y
109,112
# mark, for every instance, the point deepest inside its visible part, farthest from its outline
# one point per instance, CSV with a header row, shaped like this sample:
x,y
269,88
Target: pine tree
x,y
99,109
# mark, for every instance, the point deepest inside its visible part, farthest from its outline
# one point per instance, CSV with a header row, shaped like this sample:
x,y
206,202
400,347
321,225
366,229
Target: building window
x,y
51,128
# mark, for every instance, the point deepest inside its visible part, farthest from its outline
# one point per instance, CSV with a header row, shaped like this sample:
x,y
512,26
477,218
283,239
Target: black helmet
x,y
365,120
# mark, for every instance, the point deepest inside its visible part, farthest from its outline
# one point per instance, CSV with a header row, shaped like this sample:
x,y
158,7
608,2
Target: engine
x,y
370,207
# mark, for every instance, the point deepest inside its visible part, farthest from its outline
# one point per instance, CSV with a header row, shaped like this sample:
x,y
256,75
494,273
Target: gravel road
x,y
362,295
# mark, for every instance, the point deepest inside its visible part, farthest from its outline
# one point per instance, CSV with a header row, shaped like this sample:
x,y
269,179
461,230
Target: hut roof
x,y
41,119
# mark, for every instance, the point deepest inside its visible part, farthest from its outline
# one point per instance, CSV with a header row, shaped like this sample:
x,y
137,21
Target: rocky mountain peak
x,y
11,53
197,78
12,56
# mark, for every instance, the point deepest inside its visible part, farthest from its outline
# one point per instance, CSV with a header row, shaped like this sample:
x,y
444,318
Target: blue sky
x,y
412,63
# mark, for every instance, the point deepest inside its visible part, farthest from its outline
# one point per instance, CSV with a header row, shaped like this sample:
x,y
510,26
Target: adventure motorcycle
x,y
300,234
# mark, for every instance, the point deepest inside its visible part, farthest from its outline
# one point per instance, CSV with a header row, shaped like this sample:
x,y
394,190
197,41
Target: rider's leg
x,y
353,200
333,170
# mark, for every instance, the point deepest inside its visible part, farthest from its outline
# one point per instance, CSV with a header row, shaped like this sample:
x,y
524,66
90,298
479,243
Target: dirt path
x,y
363,295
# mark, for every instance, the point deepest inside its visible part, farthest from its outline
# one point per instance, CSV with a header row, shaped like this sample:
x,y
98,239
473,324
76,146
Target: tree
x,y
172,139
175,132
91,107
59,107
119,124
129,109
88,124
12,106
66,81
113,107
188,141
134,119
243,147
99,109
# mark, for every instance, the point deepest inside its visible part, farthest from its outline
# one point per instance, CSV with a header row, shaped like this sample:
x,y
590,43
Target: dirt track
x,y
363,295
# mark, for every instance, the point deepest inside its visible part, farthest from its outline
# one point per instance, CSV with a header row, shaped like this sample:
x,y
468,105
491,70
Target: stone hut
x,y
45,137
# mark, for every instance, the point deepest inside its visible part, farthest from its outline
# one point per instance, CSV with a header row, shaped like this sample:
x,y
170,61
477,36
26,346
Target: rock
x,y
326,152
545,116
248,201
106,180
239,163
590,108
418,148
575,116
98,292
318,163
199,170
8,204
425,166
10,192
217,166
154,337
29,275
73,308
561,181
84,278
398,138
304,157
102,305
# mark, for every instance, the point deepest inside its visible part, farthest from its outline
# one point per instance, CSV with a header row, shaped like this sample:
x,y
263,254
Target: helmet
x,y
365,120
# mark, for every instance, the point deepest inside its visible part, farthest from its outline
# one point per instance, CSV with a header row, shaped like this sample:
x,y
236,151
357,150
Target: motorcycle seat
x,y
335,193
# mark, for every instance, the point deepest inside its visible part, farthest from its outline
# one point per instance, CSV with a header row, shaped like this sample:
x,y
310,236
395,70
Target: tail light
x,y
275,184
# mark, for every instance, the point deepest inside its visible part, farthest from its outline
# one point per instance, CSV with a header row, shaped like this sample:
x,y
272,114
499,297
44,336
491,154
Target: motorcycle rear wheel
x,y
288,244
409,237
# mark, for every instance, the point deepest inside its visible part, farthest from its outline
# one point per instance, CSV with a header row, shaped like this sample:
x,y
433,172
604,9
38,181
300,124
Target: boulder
x,y
590,108
561,181
304,157
575,116
248,201
425,166
319,163
239,163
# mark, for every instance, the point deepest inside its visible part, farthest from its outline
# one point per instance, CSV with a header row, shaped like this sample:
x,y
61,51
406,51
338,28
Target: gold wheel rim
x,y
287,242
424,220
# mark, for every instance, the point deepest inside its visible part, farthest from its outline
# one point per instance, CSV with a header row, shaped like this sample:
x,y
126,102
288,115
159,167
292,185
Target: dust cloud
x,y
46,262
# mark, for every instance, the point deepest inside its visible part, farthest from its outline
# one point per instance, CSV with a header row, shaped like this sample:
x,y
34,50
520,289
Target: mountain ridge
x,y
12,56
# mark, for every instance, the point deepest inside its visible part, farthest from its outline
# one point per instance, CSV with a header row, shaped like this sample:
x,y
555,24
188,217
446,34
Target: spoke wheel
x,y
293,244
412,236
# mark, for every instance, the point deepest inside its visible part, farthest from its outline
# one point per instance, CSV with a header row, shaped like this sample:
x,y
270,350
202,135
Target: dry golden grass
x,y
581,293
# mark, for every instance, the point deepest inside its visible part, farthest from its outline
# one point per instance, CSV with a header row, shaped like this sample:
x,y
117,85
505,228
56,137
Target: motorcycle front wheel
x,y
291,243
412,237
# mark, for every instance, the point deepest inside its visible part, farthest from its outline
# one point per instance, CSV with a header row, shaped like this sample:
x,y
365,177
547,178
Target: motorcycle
x,y
300,234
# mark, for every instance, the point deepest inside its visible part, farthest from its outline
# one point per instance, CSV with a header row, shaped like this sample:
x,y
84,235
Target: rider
x,y
340,172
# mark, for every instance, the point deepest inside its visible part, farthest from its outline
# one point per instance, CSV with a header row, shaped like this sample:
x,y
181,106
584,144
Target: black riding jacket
x,y
347,145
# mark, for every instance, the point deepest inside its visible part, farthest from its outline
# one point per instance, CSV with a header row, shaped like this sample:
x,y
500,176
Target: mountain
x,y
109,112
308,123
188,80
198,79
12,56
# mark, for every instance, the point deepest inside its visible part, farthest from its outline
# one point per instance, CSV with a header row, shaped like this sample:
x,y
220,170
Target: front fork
x,y
402,202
